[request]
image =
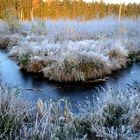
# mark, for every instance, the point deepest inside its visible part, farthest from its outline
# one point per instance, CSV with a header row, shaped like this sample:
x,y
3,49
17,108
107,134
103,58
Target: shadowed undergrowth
x,y
113,115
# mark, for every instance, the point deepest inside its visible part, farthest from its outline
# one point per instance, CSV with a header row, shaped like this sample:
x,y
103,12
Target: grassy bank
x,y
114,115
67,51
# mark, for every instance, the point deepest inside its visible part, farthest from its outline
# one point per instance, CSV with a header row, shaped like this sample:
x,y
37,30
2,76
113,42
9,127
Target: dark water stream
x,y
11,75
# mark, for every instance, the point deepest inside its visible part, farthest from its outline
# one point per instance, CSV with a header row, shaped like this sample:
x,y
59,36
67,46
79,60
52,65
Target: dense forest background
x,y
71,9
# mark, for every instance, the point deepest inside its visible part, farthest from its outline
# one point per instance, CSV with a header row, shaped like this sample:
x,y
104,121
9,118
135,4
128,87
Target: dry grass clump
x,y
35,64
114,115
118,56
71,61
8,41
31,64
20,120
81,61
77,68
13,113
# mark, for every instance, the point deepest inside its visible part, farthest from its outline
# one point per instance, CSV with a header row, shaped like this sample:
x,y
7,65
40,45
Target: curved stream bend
x,y
11,75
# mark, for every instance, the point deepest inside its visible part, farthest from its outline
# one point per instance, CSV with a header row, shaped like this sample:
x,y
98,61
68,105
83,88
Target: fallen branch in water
x,y
33,89
97,80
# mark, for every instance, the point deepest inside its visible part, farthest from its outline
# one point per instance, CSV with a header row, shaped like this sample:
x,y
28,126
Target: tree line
x,y
70,9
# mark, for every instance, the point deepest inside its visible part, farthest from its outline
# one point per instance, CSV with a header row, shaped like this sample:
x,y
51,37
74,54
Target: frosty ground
x,y
115,115
67,51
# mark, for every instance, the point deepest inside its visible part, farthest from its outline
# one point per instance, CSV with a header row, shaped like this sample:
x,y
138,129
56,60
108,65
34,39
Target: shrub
x,y
39,27
24,59
11,19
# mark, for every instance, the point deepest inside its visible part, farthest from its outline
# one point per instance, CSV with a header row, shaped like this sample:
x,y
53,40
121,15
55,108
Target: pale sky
x,y
117,1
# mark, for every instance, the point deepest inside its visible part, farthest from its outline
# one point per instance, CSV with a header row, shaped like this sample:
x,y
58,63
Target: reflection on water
x,y
11,75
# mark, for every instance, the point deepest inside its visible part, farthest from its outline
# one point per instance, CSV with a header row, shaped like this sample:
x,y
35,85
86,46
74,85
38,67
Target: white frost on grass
x,y
74,60
75,50
117,108
3,27
114,115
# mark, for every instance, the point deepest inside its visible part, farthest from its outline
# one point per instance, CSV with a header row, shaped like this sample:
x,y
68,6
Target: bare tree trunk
x,y
32,14
120,11
21,15
18,14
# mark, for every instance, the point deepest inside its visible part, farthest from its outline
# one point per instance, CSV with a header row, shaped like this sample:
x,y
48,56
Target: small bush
x,y
39,27
11,19
24,59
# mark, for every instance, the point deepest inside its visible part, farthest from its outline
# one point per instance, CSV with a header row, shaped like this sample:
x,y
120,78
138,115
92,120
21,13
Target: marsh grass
x,y
115,114
79,67
73,61
78,52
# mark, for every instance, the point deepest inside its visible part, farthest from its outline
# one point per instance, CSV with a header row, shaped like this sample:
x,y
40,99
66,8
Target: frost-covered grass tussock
x,y
113,115
72,61
67,51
